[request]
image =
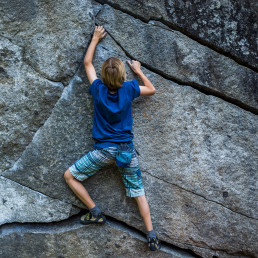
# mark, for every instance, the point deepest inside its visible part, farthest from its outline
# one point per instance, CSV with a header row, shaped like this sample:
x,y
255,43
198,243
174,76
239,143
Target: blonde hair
x,y
113,73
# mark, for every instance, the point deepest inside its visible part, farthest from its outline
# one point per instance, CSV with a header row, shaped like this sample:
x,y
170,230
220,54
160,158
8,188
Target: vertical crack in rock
x,y
99,10
202,88
187,190
172,26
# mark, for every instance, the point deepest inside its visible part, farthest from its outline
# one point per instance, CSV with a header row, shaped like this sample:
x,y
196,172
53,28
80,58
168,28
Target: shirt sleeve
x,y
135,89
94,87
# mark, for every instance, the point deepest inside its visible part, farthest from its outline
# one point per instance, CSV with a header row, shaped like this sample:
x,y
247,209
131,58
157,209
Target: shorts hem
x,y
73,171
137,193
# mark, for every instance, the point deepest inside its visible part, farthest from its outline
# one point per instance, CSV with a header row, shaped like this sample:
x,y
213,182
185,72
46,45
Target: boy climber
x,y
112,132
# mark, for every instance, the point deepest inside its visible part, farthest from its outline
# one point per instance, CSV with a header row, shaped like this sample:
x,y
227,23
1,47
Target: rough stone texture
x,y
75,240
179,216
198,146
26,100
174,55
20,204
198,152
184,131
230,26
54,34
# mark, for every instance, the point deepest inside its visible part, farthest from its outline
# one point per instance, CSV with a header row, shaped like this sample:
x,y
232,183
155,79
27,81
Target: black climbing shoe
x,y
154,243
88,218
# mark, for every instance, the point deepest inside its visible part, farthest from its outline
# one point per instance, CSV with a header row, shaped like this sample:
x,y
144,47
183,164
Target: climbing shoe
x,y
154,243
88,218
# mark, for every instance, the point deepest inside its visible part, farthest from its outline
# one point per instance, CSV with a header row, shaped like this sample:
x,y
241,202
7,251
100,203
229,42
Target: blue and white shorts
x,y
94,160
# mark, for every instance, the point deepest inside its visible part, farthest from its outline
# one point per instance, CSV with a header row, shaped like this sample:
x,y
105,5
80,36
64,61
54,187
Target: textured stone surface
x,y
26,100
173,54
199,146
179,216
75,240
198,152
199,184
20,204
230,26
54,34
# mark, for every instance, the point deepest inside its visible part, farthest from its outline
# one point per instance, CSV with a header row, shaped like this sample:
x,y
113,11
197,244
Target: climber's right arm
x,y
99,33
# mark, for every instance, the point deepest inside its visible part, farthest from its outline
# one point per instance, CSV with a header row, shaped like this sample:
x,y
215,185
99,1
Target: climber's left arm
x,y
99,33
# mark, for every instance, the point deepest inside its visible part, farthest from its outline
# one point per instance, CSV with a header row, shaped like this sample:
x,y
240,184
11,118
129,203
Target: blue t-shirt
x,y
112,121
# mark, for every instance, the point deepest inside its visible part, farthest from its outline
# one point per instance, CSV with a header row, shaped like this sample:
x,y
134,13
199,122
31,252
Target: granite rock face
x,y
181,58
66,240
21,204
189,141
26,100
54,35
228,26
197,145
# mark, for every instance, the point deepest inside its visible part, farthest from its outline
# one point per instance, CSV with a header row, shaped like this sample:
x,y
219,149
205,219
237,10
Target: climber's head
x,y
113,73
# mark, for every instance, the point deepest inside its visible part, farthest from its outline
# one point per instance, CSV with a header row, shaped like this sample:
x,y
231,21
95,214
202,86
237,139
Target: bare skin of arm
x,y
148,89
99,33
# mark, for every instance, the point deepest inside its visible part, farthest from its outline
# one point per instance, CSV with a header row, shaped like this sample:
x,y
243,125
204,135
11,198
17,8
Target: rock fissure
x,y
34,190
72,223
201,88
181,30
199,195
98,10
142,236
33,135
205,43
43,124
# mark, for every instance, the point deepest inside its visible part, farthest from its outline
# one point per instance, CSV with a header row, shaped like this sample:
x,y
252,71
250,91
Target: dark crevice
x,y
183,31
53,198
199,195
208,44
73,223
100,9
115,222
201,88
37,227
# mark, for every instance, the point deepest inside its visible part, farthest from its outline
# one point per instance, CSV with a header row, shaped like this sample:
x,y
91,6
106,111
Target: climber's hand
x,y
99,33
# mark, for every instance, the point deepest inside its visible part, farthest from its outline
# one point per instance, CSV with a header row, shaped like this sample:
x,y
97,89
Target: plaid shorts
x,y
94,160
